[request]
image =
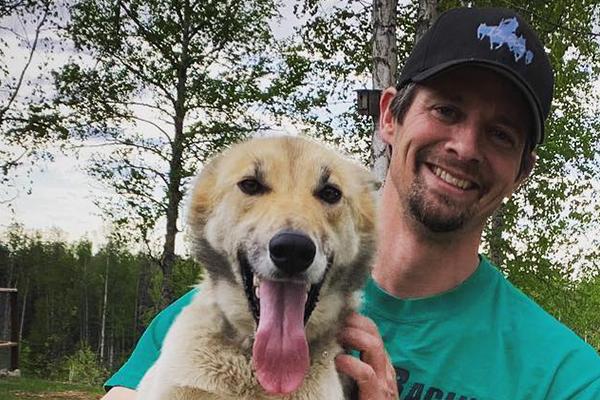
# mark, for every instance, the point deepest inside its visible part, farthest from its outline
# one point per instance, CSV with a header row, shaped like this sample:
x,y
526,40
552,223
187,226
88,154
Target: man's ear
x,y
527,164
386,118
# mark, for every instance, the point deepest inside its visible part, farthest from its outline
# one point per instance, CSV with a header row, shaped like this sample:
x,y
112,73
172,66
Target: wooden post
x,y
13,342
14,331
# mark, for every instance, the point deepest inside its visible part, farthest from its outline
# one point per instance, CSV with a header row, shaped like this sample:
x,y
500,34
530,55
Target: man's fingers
x,y
358,321
373,372
362,373
370,347
370,386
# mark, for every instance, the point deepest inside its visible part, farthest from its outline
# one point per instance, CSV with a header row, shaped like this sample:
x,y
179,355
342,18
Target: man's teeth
x,y
446,177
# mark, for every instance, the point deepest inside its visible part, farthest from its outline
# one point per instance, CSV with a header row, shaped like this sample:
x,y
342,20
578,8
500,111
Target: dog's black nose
x,y
292,251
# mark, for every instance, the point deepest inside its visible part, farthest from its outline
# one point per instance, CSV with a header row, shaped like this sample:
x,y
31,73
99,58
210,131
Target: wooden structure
x,y
13,343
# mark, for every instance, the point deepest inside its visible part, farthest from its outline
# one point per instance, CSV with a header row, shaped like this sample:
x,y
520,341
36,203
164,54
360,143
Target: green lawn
x,y
36,389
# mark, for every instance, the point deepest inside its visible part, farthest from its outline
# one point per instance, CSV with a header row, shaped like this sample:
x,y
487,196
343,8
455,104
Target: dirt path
x,y
67,395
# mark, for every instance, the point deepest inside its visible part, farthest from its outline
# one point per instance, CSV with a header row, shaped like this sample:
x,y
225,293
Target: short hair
x,y
402,101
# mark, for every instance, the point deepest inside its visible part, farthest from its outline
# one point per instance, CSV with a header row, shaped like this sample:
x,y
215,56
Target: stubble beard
x,y
438,218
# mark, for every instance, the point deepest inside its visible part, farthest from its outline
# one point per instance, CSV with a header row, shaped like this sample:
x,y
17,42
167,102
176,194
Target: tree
x,y
385,62
24,131
534,237
65,301
166,84
385,73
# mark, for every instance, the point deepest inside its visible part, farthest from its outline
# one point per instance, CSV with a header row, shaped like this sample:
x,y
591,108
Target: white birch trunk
x,y
103,327
22,322
385,70
426,15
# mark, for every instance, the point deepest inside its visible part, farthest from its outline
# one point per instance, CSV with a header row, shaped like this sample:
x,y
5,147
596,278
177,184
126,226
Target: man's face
x,y
456,155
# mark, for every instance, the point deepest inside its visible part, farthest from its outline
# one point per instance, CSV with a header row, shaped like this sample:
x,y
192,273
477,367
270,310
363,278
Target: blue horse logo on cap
x,y
505,34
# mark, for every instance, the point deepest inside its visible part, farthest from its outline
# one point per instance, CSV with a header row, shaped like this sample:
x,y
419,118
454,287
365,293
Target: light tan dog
x,y
285,229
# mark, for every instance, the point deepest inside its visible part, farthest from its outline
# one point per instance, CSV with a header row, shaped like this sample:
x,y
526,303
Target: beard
x,y
431,216
437,212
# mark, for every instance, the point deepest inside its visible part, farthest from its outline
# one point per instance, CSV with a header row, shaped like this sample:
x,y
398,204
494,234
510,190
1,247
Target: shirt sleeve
x,y
148,347
578,376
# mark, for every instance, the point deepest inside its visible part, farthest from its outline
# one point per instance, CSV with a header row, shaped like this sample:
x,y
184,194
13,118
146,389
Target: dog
x,y
285,229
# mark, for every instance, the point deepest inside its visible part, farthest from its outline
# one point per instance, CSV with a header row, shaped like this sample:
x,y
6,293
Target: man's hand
x,y
374,372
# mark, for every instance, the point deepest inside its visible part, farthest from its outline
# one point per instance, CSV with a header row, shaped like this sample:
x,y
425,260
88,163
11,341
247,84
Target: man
x,y
462,127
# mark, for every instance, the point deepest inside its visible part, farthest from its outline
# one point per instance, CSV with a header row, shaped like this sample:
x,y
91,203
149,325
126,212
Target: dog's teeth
x,y
255,281
257,292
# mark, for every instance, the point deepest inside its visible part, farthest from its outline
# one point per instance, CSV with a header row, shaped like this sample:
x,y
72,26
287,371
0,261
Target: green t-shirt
x,y
483,340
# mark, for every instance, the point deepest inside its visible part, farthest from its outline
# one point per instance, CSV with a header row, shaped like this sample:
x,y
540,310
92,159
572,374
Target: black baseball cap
x,y
495,38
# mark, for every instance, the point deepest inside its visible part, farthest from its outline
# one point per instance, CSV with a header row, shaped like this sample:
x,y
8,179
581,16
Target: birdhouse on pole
x,y
368,101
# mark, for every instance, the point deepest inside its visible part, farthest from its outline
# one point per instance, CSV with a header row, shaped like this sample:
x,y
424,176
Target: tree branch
x,y
152,170
147,35
33,46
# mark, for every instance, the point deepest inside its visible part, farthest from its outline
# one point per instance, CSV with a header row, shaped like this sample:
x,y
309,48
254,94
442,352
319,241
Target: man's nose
x,y
465,143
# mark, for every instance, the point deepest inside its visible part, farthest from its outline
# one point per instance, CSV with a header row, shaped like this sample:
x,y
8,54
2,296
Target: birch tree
x,y
385,62
385,73
165,85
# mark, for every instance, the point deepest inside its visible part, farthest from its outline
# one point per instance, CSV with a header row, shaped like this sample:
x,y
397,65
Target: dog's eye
x,y
330,194
251,187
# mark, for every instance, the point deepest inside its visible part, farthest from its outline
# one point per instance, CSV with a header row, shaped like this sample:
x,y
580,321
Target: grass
x,y
36,389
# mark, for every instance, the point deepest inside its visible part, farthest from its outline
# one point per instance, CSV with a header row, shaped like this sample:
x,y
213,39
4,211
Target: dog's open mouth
x,y
252,290
281,309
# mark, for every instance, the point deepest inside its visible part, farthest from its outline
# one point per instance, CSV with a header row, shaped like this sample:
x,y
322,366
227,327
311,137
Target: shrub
x,y
82,367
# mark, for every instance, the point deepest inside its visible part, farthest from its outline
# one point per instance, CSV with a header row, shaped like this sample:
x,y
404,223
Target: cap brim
x,y
503,70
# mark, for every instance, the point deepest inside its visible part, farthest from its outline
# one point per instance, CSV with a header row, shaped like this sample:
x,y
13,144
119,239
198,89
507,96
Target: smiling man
x,y
462,127
439,320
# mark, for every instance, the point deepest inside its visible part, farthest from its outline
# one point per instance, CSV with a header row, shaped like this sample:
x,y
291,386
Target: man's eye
x,y
446,112
503,137
251,187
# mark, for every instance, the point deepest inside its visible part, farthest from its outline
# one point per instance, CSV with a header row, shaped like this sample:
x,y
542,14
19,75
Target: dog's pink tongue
x,y
280,352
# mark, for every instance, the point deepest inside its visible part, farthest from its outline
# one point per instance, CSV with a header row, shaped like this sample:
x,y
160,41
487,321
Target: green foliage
x,y
82,367
61,293
185,273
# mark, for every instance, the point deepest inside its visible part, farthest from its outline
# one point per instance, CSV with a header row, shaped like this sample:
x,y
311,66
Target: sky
x,y
61,197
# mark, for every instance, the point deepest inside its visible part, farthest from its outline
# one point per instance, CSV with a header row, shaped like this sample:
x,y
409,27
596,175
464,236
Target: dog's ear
x,y
374,184
367,199
203,191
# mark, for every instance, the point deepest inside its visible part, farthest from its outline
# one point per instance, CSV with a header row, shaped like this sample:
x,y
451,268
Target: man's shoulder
x,y
537,330
547,353
148,347
162,322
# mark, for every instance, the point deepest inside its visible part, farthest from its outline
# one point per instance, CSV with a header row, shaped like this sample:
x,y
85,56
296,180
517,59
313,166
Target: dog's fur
x,y
208,352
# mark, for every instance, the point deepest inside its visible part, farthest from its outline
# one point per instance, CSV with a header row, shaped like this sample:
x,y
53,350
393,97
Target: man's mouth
x,y
281,309
450,179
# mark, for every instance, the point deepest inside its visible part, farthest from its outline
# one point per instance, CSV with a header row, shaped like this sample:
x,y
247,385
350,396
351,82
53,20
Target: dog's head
x,y
285,228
